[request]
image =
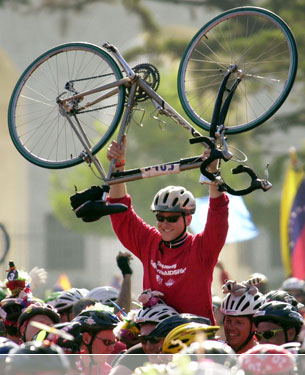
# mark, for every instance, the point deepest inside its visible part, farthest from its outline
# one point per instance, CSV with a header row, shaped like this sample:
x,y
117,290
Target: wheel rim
x,y
38,129
268,69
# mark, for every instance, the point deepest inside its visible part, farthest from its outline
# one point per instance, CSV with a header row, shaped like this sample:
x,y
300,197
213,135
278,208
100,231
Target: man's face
x,y
103,342
274,334
171,230
237,330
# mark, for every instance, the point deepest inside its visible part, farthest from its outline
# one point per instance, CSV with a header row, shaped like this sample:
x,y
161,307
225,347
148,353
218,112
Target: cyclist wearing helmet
x,y
239,306
65,301
295,287
283,296
38,312
175,262
156,337
97,330
146,319
277,323
21,361
10,310
184,335
96,327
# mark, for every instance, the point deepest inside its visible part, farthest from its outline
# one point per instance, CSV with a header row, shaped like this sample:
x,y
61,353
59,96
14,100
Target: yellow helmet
x,y
183,335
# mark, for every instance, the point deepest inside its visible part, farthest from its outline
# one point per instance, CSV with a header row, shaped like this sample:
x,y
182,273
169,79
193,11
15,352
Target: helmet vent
x,y
240,302
165,197
186,202
175,201
257,306
246,306
228,300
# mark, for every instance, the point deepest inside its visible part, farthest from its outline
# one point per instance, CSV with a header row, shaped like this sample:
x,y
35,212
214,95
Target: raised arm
x,y
213,190
123,261
118,152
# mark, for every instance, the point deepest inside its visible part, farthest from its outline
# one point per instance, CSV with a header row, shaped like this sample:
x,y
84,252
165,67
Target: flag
x,y
241,226
63,282
292,222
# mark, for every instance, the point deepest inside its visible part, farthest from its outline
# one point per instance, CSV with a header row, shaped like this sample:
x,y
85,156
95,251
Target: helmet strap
x,y
286,334
246,342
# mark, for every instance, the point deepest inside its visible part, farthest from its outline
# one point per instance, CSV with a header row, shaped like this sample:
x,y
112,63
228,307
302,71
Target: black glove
x,y
89,206
123,262
93,194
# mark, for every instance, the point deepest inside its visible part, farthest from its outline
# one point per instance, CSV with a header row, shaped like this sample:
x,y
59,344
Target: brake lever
x,y
256,183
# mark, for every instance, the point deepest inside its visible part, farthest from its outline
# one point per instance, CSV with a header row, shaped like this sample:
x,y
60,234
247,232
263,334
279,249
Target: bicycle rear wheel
x,y
261,45
38,129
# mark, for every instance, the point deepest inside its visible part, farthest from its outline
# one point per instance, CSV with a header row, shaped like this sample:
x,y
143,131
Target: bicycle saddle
x,y
89,205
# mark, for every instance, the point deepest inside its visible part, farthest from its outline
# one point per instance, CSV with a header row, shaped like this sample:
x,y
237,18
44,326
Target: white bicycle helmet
x,y
293,283
104,294
242,299
68,298
154,314
174,199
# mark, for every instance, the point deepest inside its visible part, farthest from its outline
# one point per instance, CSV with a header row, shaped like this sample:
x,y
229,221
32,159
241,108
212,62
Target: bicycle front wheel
x,y
264,51
39,130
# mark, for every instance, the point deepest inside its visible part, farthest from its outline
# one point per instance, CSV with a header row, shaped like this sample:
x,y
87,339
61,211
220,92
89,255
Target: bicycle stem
x,y
131,74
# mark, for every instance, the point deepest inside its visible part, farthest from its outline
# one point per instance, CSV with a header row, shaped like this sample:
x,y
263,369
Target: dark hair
x,y
80,305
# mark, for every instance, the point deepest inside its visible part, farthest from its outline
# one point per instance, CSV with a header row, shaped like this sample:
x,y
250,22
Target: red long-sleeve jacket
x,y
184,274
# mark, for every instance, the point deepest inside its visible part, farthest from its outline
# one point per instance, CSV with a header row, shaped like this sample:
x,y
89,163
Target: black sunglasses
x,y
267,334
169,219
106,342
151,339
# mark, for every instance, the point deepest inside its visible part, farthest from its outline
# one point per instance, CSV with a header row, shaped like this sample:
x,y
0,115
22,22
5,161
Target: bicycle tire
x,y
38,130
4,243
263,47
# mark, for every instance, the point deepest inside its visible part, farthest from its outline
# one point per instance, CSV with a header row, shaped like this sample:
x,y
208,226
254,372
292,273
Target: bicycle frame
x,y
133,81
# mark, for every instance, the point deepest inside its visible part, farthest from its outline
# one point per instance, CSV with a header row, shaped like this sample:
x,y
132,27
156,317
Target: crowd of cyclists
x,y
254,333
176,326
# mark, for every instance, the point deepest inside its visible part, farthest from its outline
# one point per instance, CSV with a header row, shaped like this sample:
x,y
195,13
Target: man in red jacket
x,y
175,262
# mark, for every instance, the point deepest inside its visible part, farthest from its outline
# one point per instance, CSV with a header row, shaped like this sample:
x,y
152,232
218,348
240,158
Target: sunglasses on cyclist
x,y
267,334
169,219
106,342
152,340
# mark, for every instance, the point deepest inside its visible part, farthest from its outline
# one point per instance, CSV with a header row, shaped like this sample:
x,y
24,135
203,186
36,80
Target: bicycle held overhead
x,y
234,75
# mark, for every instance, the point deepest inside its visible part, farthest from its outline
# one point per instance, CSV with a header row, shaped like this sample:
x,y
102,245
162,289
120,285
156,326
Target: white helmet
x,y
68,298
105,294
154,314
174,199
241,299
293,283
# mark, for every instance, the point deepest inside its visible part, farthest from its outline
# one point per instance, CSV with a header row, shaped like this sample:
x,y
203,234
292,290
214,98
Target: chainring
x,y
150,74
